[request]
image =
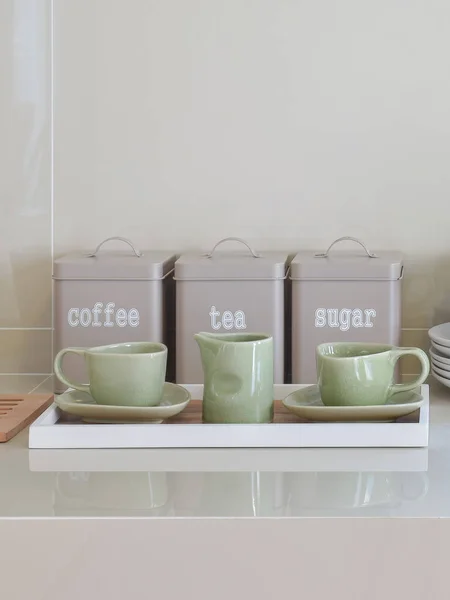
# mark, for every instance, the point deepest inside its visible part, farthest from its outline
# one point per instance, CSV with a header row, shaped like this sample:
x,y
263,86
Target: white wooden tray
x,y
55,429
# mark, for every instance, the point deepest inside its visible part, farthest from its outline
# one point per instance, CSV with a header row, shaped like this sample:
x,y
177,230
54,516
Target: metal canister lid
x,y
352,265
112,265
242,265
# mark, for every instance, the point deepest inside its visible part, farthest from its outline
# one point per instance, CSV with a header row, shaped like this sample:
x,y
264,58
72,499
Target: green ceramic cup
x,y
238,377
128,374
360,374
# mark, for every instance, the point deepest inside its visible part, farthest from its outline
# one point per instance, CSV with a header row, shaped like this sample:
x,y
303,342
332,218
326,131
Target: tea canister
x,y
107,297
342,296
225,292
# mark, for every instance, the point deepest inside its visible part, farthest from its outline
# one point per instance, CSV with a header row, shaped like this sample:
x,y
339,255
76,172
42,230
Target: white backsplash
x,y
178,123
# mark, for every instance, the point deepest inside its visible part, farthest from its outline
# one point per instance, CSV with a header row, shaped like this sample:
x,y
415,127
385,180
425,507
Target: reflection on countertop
x,y
232,483
226,483
234,494
252,483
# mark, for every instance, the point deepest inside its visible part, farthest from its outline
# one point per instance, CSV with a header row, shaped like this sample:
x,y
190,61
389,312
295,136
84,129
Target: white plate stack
x,y
440,353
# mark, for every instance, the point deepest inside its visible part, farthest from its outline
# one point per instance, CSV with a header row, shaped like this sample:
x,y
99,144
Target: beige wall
x,y
177,123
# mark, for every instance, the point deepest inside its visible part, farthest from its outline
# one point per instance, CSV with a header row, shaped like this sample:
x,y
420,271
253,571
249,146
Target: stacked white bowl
x,y
440,353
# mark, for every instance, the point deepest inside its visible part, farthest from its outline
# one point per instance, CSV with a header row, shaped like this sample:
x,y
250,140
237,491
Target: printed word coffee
x,y
103,315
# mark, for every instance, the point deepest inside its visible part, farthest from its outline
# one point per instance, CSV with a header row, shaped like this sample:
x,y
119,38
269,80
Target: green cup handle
x,y
396,353
60,374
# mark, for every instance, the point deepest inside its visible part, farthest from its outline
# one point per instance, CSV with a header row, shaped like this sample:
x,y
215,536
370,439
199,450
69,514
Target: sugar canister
x,y
343,296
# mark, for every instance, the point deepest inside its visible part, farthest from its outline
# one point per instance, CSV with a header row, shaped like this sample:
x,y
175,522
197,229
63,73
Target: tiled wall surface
x,y
178,123
25,188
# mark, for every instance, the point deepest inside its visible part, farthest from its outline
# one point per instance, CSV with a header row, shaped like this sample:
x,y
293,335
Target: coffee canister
x,y
337,295
228,291
107,297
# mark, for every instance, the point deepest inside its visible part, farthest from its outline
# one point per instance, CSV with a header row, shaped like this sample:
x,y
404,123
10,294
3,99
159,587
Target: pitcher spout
x,y
205,339
209,347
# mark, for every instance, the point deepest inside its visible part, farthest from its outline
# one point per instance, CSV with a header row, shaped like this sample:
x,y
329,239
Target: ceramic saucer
x,y
440,364
439,378
437,357
175,399
440,371
307,404
440,348
440,334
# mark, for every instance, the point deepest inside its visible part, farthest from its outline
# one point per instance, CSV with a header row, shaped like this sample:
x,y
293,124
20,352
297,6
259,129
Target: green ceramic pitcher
x,y
238,377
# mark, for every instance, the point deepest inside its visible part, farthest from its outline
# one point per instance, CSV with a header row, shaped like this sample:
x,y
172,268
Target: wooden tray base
x,y
192,414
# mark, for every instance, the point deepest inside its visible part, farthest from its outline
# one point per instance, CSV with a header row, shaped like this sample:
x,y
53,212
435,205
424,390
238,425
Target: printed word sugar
x,y
344,318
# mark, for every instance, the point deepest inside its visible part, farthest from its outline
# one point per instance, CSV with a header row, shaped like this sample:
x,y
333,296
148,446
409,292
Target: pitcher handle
x,y
233,239
136,252
345,239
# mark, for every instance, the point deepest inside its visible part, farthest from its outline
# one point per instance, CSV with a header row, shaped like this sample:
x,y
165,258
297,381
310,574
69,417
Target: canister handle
x,y
233,239
346,239
121,239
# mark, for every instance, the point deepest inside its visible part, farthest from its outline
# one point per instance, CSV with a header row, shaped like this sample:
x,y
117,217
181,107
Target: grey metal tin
x,y
362,265
230,291
243,265
343,297
114,265
96,305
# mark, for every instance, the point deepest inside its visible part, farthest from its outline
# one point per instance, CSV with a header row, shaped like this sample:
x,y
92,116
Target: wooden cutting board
x,y
17,411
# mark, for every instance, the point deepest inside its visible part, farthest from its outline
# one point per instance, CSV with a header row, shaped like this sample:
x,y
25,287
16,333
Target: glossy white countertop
x,y
230,483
